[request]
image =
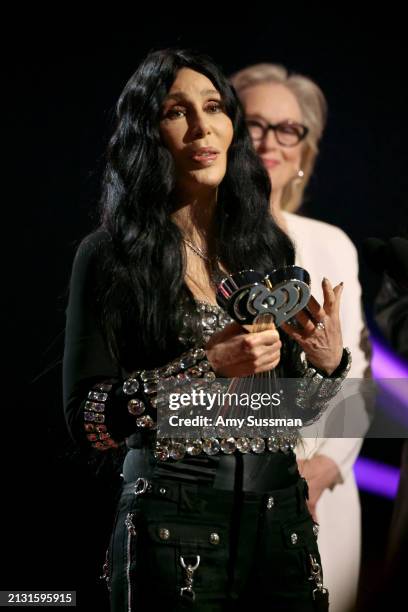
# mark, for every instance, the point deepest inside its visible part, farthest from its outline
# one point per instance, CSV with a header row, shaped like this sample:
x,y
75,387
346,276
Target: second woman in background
x,y
286,116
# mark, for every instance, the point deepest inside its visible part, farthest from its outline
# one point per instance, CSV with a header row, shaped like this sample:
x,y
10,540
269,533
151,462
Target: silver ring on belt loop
x,y
142,485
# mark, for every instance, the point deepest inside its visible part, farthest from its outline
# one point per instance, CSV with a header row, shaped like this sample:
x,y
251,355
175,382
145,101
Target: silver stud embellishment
x,y
136,407
270,503
164,533
130,386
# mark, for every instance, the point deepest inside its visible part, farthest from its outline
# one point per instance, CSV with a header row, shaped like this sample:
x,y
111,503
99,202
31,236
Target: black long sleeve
x,y
87,359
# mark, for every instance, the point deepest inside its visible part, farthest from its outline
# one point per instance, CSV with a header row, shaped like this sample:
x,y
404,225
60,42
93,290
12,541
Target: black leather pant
x,y
249,547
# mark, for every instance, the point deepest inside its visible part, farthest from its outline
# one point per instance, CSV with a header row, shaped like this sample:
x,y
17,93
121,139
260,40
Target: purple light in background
x,y
391,373
373,476
385,364
376,477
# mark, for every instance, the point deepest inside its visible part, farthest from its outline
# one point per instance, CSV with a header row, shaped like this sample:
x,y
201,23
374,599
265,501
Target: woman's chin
x,y
206,178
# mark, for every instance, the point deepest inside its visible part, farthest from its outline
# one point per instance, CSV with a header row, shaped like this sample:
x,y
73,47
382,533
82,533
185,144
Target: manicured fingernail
x,y
342,283
325,280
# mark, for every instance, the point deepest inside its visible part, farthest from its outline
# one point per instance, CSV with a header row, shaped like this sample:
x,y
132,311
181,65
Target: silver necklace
x,y
197,250
215,273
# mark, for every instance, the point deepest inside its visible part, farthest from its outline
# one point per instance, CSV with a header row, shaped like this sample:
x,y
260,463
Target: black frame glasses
x,y
287,133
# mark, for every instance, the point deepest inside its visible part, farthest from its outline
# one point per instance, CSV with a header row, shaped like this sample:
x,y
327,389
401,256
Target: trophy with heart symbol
x,y
258,301
250,297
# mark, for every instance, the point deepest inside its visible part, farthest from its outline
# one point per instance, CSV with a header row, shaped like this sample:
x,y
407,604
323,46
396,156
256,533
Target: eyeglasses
x,y
287,133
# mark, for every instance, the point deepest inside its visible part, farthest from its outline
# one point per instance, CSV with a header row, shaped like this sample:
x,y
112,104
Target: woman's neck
x,y
194,216
276,210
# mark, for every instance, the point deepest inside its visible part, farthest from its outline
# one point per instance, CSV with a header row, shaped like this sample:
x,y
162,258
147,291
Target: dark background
x,y
59,114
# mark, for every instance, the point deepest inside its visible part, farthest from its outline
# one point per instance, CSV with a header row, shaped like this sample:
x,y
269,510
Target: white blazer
x,y
326,251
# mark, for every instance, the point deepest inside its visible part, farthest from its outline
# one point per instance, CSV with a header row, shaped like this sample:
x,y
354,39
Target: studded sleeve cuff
x,y
316,389
115,409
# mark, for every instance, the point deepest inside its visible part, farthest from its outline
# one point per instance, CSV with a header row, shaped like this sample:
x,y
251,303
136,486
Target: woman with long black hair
x,y
210,523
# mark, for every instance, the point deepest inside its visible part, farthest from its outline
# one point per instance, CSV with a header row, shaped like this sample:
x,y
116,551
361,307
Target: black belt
x,y
176,491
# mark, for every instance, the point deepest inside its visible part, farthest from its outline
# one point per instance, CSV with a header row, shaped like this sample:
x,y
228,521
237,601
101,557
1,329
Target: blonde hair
x,y
313,106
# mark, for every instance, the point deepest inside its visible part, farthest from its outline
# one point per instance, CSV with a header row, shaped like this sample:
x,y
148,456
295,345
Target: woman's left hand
x,y
318,330
321,473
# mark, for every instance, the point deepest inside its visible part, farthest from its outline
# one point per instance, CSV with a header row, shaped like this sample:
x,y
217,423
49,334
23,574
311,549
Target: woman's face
x,y
196,130
274,103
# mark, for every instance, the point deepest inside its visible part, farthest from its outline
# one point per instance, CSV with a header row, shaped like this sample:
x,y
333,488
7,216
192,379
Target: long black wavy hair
x,y
143,281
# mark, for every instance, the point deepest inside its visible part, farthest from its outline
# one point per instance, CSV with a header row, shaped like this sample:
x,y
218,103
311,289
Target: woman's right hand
x,y
233,352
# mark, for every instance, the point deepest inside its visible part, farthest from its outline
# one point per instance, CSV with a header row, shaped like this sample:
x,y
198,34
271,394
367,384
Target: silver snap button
x,y
214,538
293,538
164,533
162,491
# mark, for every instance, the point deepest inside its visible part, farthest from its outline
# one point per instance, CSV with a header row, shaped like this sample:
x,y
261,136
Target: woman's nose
x,y
200,125
269,140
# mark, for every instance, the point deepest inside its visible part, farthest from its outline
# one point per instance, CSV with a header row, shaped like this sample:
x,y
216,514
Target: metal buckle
x,y
316,577
142,485
318,591
187,591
